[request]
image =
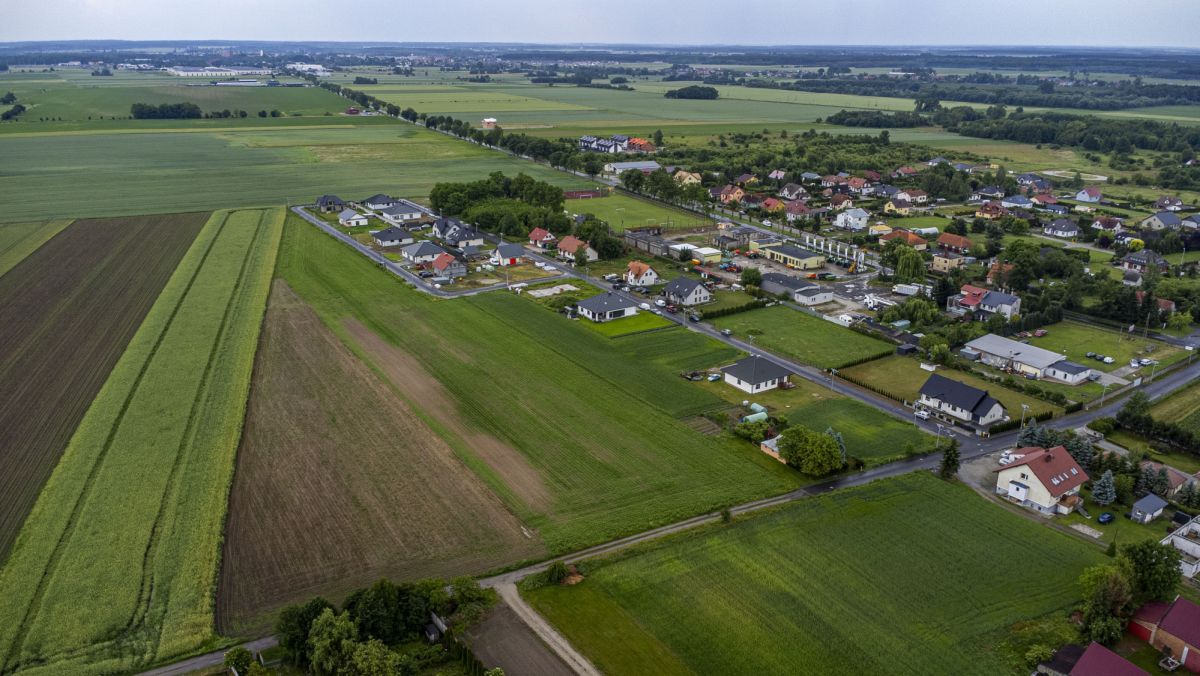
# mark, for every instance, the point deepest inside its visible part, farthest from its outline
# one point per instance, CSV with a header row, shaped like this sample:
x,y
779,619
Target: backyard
x,y
803,337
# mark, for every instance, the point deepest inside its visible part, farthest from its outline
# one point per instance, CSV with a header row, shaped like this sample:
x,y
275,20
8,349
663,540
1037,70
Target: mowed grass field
x,y
903,377
580,434
904,575
394,502
67,311
802,337
623,212
116,566
1075,340
118,173
1182,408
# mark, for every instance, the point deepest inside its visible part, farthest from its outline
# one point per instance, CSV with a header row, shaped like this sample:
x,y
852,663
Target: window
x,y
1024,476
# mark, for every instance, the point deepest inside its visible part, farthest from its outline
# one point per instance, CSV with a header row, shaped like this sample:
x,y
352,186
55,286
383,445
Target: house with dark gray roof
x,y
1000,303
606,307
1068,372
951,399
1062,227
508,253
1143,260
1163,220
422,252
456,233
330,203
379,201
777,283
392,236
401,212
755,374
686,291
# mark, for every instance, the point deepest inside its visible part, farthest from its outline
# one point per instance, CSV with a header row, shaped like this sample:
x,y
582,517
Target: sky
x,y
1144,23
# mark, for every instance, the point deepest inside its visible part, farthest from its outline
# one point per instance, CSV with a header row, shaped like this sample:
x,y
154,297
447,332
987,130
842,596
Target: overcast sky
x,y
1147,23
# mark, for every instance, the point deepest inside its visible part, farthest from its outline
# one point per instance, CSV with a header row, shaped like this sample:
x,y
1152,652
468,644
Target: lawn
x,y
902,378
1122,530
642,321
1075,340
116,566
803,337
916,568
1185,462
622,212
581,435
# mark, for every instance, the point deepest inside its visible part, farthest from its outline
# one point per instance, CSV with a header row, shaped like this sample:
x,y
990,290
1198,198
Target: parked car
x,y
714,377
1148,362
726,332
644,306
693,318
672,309
1040,332
1091,355
1109,360
660,302
921,413
1105,517
1133,363
1093,377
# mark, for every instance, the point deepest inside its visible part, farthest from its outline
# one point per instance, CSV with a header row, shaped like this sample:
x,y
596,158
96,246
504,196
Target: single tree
x,y
1162,483
752,277
332,641
1152,568
950,460
238,658
1103,491
812,453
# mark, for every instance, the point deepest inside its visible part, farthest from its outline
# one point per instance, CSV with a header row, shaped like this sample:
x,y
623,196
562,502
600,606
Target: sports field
x,y
917,569
803,337
67,311
623,212
116,566
581,435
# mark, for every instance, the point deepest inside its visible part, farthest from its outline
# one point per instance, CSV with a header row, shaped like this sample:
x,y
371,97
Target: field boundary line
x,y
72,521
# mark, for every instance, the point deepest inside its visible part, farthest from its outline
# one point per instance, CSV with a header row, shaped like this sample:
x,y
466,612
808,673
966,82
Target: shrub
x,y
557,572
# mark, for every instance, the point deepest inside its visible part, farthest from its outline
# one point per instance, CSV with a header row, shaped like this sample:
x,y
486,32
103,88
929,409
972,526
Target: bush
x,y
557,572
238,658
1104,426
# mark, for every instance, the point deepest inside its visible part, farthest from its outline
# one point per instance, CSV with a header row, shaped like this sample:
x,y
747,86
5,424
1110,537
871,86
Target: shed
x,y
1147,508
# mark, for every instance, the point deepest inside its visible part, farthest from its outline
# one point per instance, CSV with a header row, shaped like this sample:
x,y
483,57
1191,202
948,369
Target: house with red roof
x,y
1046,480
908,237
541,238
949,241
1095,660
796,209
841,202
1090,194
904,172
567,246
446,265
773,205
1171,627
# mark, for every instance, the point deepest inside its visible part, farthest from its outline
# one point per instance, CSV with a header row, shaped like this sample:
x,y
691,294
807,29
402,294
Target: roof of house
x,y
953,240
423,249
509,250
1064,224
571,243
1063,659
347,214
539,234
1131,276
1144,257
1068,366
856,213
840,199
1006,347
786,281
380,199
401,207
392,233
1150,503
638,268
1100,661
756,370
959,394
1167,218
900,204
1175,478
1054,468
681,287
998,298
605,302
1182,619
1168,200
1091,191
443,261
330,200
907,236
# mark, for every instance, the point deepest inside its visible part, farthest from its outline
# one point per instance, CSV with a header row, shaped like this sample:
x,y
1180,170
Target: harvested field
x,y
395,501
504,640
67,311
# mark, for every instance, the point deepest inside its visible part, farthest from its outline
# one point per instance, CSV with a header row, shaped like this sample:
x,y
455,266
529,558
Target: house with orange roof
x,y
773,205
446,265
1045,480
567,246
949,241
639,273
908,237
640,145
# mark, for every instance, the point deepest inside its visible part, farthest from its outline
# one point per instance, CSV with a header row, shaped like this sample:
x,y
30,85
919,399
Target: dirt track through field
x,y
420,386
67,311
339,483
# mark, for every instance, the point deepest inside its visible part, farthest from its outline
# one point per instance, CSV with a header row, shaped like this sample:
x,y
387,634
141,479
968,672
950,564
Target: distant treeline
x,y
877,119
360,80
693,92
165,111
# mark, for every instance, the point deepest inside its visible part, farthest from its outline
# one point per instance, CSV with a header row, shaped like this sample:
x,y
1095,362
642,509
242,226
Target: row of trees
x,y
165,111
1136,417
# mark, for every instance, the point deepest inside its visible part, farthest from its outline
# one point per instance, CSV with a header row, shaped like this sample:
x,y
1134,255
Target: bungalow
x,y
508,253
1095,660
793,191
898,207
777,175
852,219
954,400
606,307
541,238
401,212
989,192
755,374
328,204
446,265
567,246
1109,224
1143,260
638,273
841,202
773,205
422,252
1164,304
1163,220
1068,372
904,172
1009,355
686,291
392,236
1168,203
352,219
1173,628
945,261
456,233
1027,179
1062,227
962,166
1191,223
990,211
1016,202
687,178
1046,480
908,237
793,256
1090,194
936,161
812,294
949,241
380,201
810,177
1055,209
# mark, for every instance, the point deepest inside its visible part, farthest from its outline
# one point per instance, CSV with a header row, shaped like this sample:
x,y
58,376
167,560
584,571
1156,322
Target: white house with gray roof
x,y
755,374
606,307
351,218
422,252
950,399
392,236
686,291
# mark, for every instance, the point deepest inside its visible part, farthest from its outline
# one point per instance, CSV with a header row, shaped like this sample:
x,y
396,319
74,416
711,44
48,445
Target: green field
x,y
115,567
902,377
1075,340
584,437
642,321
905,575
18,240
803,337
623,211
1182,407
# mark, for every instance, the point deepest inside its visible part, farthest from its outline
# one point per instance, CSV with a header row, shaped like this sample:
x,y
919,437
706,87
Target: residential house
x,y
1044,199
872,175
639,273
777,175
1068,372
1045,480
508,253
1191,223
567,246
962,166
999,303
639,145
606,307
988,192
542,238
1027,178
1147,508
897,207
990,211
729,193
401,212
687,178
773,205
1062,227
812,294
327,204
1163,220
422,252
953,400
1055,209
1186,539
456,233
446,265
1016,202
1010,355
793,191
1173,628
352,219
392,236
686,291
1164,304
908,237
1131,278
852,219
380,201
795,210
1168,203
967,299
810,177
1110,224
793,256
885,191
936,161
1095,660
945,261
912,195
841,202
1141,261
755,374
998,272
879,230
1090,194
859,186
832,180
746,180
949,241
1176,480
905,172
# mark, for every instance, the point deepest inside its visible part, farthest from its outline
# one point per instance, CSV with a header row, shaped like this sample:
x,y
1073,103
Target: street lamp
x,y
1024,408
938,443
1103,392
